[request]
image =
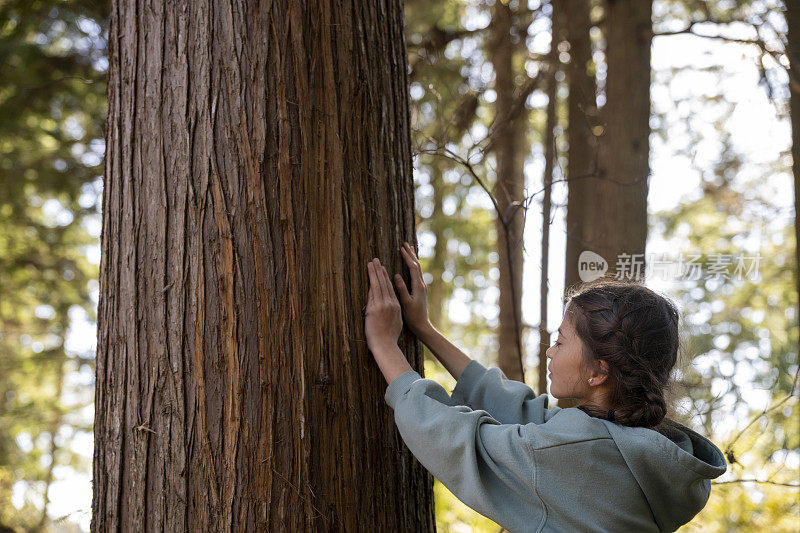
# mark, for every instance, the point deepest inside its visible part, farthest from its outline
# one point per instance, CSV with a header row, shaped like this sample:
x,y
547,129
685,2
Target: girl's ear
x,y
601,376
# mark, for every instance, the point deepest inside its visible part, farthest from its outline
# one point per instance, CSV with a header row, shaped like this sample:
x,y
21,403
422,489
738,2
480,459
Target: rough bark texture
x,y
616,220
258,156
582,108
793,48
510,148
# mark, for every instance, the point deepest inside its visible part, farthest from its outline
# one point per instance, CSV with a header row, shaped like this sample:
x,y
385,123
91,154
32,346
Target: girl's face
x,y
568,375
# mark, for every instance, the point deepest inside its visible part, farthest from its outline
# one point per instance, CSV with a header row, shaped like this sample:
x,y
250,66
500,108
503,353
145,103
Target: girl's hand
x,y
383,318
415,304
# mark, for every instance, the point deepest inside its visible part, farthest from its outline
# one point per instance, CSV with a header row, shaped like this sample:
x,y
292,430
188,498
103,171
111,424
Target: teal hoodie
x,y
496,446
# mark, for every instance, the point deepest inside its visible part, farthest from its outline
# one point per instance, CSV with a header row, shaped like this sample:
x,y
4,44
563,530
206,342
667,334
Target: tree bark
x,y
582,156
258,156
510,148
616,222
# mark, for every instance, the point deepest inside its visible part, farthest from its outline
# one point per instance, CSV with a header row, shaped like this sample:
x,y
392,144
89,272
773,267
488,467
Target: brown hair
x,y
635,331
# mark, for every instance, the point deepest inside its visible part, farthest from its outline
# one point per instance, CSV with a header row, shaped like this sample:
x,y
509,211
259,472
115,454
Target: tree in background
x,y
615,224
256,161
506,49
793,51
582,117
476,134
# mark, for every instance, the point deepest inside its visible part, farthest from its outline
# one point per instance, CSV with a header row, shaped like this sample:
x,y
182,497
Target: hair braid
x,y
635,331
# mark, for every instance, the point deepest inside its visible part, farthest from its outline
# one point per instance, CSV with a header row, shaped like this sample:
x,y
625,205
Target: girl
x,y
614,463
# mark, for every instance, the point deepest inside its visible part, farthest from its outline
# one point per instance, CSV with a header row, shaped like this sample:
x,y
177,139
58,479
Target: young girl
x,y
614,463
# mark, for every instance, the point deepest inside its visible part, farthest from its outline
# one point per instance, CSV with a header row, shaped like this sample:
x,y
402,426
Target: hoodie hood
x,y
673,471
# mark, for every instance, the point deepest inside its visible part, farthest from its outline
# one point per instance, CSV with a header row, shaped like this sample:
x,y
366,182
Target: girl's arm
x,y
451,357
487,465
510,402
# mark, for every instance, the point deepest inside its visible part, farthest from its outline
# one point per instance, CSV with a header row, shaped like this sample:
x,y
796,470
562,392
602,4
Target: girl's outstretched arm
x,y
487,465
510,402
451,357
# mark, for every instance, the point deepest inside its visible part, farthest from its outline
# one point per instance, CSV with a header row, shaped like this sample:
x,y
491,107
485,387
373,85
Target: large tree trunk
x,y
510,148
582,109
616,222
258,156
793,23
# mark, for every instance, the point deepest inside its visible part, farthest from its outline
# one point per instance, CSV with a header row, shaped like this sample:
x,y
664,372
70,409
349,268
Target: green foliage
x,y
741,359
740,336
52,104
738,380
447,103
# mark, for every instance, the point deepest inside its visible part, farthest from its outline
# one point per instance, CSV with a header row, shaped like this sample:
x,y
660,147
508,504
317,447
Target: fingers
x,y
371,295
381,287
413,265
413,258
401,288
380,282
375,290
386,284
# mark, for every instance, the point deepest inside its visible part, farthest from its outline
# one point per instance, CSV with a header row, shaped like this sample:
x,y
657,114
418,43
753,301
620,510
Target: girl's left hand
x,y
384,318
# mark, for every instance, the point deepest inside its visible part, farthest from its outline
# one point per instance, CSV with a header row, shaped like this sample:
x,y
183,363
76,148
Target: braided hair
x,y
635,331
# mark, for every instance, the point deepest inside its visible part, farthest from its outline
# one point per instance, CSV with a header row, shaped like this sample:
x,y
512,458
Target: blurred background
x,y
720,184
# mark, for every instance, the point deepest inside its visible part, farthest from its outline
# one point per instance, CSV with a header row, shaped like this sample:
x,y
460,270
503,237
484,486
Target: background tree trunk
x,y
618,181
510,148
582,108
620,227
258,156
550,155
793,48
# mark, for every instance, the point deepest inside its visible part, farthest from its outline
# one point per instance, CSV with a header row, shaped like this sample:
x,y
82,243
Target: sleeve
x,y
508,401
485,464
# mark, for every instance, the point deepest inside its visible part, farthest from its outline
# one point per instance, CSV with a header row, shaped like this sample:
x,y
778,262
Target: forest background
x,y
720,185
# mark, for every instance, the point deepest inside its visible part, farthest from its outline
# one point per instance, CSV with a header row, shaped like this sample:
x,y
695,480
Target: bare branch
x,y
729,447
766,482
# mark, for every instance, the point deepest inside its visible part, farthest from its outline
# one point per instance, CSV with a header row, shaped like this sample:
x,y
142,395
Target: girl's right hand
x,y
415,304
